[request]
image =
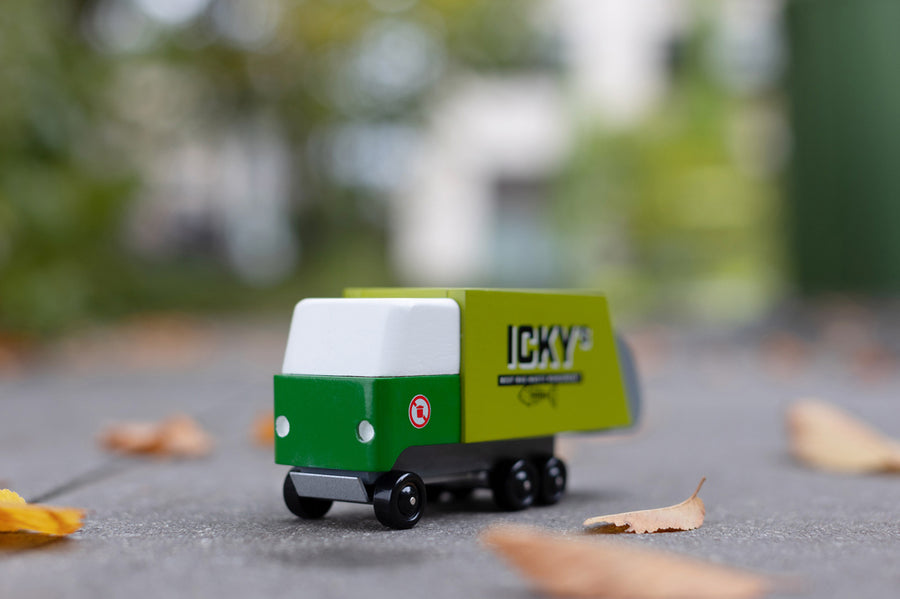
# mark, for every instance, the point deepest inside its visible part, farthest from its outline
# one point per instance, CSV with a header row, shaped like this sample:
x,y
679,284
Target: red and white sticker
x,y
419,411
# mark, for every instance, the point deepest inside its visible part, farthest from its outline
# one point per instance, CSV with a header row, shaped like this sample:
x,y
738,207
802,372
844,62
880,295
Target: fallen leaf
x,y
825,437
568,567
686,515
177,436
17,515
7,496
263,430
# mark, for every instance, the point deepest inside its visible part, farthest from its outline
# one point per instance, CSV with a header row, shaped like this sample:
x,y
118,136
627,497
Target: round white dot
x,y
282,426
365,431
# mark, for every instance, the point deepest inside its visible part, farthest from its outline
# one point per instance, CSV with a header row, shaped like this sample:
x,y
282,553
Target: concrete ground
x,y
217,526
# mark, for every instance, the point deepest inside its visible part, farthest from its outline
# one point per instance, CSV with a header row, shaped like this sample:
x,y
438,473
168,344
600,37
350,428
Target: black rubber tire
x,y
399,499
515,484
308,508
552,477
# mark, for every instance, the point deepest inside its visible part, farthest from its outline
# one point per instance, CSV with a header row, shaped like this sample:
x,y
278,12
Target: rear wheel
x,y
515,484
399,499
308,508
552,486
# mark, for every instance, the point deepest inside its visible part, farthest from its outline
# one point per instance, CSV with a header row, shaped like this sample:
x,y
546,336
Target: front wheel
x,y
308,508
399,499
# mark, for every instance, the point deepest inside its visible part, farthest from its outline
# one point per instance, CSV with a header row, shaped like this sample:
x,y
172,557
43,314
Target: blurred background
x,y
701,161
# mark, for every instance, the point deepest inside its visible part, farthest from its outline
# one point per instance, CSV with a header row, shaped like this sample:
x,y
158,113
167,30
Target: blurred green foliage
x,y
61,191
664,217
845,90
79,117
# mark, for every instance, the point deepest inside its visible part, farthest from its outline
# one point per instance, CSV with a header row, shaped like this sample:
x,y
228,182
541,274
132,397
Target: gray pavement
x,y
217,526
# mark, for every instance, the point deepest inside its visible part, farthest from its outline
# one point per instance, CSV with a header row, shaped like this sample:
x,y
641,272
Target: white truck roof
x,y
374,337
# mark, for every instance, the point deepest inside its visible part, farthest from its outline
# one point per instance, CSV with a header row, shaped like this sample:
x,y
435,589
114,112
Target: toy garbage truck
x,y
387,395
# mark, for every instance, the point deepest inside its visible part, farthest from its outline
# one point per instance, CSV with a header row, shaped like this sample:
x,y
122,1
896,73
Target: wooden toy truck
x,y
387,394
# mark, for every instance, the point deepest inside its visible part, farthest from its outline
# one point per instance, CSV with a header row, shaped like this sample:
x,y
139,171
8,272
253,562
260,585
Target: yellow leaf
x,y
686,515
177,436
16,515
7,496
588,567
825,437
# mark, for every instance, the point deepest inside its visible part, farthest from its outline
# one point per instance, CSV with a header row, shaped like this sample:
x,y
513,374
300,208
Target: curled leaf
x,y
177,436
825,437
686,515
567,567
16,515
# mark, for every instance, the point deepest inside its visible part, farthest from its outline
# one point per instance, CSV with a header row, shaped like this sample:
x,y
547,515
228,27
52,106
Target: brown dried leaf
x,y
177,436
263,430
686,515
16,515
825,437
568,567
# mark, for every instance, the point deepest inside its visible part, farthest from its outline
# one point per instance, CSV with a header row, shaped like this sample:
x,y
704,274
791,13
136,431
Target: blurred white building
x,y
472,209
230,192
469,195
475,208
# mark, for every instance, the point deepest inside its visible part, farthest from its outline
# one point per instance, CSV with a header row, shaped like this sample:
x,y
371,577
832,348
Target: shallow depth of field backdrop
x,y
176,174
702,162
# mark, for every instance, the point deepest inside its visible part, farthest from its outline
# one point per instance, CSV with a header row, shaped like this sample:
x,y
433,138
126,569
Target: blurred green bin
x,y
844,201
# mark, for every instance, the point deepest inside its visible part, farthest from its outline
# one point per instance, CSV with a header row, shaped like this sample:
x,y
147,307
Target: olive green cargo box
x,y
533,364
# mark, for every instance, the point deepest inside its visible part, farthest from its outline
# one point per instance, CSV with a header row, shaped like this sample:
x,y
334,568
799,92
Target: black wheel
x,y
399,499
308,508
552,486
515,484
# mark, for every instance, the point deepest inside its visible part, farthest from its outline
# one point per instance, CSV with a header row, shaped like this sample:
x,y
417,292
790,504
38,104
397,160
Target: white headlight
x,y
282,426
365,431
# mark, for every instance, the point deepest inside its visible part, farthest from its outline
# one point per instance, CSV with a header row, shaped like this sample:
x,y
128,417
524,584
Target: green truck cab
x,y
389,395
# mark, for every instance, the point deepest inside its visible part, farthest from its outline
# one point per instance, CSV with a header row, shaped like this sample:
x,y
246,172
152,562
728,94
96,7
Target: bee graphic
x,y
531,395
